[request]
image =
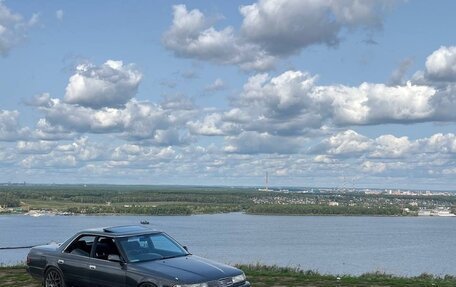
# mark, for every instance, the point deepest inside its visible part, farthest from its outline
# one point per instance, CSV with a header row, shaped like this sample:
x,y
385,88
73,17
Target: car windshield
x,y
151,247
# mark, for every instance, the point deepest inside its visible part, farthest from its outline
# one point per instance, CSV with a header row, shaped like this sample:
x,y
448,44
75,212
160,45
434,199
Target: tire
x,y
53,278
147,285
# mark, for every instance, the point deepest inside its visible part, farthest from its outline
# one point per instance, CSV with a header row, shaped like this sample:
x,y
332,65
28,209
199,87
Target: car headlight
x,y
192,285
239,278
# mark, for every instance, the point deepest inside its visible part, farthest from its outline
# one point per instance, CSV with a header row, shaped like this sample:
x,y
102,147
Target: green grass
x,y
16,276
260,275
273,276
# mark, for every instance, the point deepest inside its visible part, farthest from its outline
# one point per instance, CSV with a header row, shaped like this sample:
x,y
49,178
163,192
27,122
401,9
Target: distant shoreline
x,y
176,201
215,213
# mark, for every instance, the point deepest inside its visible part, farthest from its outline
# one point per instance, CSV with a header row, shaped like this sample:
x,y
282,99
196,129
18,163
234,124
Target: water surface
x,y
328,244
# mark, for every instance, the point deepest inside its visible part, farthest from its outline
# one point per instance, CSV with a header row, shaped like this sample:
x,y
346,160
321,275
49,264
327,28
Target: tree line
x,y
299,209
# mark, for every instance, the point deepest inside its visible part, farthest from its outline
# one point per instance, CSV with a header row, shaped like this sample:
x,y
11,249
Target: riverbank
x,y
168,200
273,276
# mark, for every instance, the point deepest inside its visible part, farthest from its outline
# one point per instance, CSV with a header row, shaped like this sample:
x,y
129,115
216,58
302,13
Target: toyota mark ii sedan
x,y
124,256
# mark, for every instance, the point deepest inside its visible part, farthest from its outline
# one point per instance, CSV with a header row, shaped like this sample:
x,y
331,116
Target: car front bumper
x,y
246,284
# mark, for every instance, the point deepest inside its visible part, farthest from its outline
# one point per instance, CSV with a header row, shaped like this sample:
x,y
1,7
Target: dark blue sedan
x,y
127,256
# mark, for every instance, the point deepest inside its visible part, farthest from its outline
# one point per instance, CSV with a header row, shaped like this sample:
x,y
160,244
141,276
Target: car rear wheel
x,y
53,278
147,285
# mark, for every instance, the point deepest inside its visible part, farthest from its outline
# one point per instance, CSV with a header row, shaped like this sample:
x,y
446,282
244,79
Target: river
x,y
328,244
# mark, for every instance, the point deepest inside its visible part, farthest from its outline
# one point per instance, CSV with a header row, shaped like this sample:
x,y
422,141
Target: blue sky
x,y
317,93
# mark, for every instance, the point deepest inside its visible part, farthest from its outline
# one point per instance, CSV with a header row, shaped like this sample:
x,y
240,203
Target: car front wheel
x,y
53,278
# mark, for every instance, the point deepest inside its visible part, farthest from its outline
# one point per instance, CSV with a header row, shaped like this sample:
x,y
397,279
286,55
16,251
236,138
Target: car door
x,y
73,262
103,272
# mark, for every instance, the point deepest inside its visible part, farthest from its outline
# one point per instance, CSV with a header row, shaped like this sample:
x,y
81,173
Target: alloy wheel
x,y
54,279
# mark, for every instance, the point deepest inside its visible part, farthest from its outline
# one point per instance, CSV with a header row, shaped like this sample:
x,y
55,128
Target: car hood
x,y
189,269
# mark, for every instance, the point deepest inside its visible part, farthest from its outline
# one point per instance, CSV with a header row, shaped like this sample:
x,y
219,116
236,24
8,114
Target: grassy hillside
x,y
272,276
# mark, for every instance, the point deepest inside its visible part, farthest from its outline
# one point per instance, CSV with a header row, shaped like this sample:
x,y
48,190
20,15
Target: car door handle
x,y
60,261
92,267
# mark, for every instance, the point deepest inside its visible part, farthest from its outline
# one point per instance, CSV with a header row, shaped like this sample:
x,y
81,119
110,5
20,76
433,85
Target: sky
x,y
323,93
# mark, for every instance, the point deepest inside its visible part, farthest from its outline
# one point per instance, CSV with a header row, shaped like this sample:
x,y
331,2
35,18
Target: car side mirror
x,y
114,258
186,248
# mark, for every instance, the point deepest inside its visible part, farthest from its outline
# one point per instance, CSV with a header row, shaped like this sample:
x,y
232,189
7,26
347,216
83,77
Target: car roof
x,y
120,231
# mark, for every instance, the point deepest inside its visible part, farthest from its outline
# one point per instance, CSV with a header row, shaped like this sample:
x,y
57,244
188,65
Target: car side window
x,y
104,247
82,246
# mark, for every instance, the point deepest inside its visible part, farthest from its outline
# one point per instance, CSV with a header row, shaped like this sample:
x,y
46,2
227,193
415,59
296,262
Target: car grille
x,y
225,282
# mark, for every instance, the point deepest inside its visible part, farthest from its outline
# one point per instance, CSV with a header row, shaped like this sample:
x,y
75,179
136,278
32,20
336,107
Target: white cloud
x,y
255,143
49,161
191,36
59,14
441,64
218,124
270,29
440,143
286,94
323,159
208,126
135,121
389,146
46,131
379,103
82,119
449,171
100,100
343,144
34,147
110,85
142,155
217,85
189,74
346,154
50,155
285,26
177,102
283,105
373,167
347,142
397,76
13,28
7,157
10,129
82,149
387,155
293,104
